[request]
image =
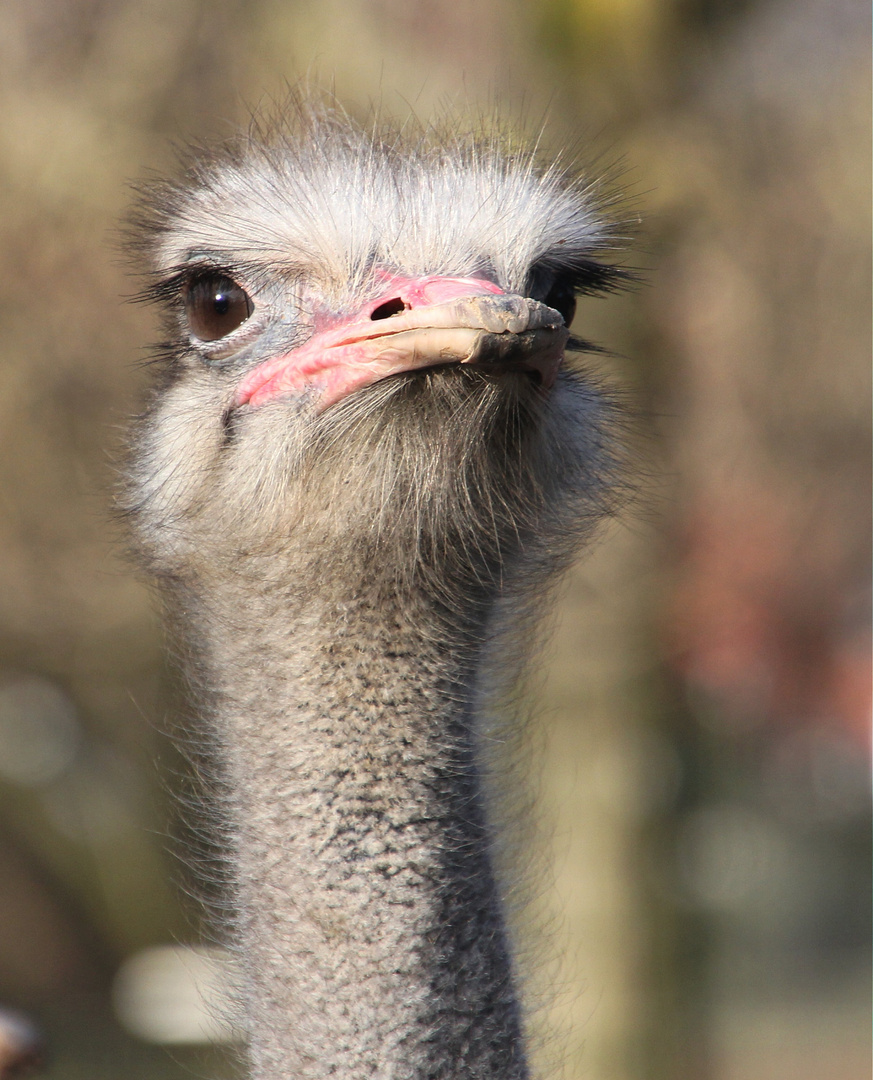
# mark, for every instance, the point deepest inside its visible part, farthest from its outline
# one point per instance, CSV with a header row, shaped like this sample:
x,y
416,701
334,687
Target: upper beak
x,y
416,323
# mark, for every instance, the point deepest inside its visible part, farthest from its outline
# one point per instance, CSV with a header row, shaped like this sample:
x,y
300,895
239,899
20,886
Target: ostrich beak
x,y
416,323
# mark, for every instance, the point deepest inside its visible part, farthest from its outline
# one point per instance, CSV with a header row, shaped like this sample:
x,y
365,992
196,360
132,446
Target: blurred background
x,y
701,758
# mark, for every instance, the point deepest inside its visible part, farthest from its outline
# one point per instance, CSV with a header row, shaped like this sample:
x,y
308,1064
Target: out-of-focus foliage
x,y
701,758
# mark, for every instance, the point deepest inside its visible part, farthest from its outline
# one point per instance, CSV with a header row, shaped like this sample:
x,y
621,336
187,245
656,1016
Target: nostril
x,y
389,308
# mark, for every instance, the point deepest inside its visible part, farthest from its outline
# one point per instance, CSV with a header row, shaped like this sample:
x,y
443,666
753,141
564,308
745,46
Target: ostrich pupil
x,y
562,298
215,306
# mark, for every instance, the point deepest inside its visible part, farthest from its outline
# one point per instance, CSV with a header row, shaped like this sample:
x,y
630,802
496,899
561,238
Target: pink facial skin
x,y
444,320
426,291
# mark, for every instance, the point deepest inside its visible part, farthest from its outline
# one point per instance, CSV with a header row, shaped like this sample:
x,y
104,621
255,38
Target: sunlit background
x,y
703,736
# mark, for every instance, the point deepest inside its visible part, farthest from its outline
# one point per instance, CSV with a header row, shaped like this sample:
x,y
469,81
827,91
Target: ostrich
x,y
364,465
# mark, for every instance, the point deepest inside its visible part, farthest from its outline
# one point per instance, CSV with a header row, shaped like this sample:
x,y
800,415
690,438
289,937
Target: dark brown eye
x,y
562,297
215,306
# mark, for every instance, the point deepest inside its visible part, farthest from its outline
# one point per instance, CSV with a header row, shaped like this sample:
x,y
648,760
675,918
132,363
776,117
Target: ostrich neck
x,y
369,926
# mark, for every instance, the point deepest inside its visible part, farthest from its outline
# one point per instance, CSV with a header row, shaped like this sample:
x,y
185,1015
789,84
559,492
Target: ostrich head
x,y
366,333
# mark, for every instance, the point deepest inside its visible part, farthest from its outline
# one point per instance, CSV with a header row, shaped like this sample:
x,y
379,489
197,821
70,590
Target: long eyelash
x,y
582,345
169,289
586,277
592,278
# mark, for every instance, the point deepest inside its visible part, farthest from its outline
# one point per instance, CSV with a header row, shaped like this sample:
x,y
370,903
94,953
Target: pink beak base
x,y
443,320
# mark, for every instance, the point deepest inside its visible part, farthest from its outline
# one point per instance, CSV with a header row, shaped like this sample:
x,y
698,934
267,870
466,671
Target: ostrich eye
x,y
214,306
562,297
